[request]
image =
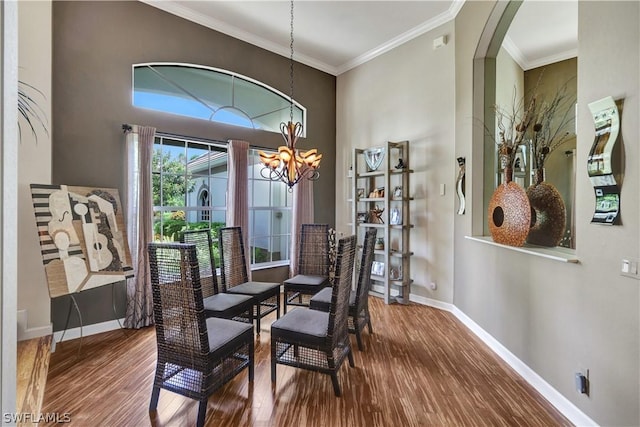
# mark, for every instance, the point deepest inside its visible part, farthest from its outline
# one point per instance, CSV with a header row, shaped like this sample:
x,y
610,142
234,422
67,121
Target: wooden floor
x,y
31,375
421,367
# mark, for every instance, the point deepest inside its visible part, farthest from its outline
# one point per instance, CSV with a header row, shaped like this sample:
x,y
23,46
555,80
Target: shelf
x,y
370,174
370,224
557,253
396,254
400,282
400,171
375,173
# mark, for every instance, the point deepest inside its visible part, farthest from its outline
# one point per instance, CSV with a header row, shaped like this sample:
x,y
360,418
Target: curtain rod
x,y
128,128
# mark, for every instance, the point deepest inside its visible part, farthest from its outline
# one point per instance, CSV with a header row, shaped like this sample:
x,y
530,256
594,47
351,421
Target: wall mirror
x,y
533,49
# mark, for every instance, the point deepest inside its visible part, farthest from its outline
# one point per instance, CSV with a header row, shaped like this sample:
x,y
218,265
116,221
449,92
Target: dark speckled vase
x,y
548,212
509,213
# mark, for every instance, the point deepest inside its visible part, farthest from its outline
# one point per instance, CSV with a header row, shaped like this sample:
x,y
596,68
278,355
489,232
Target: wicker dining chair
x,y
313,266
235,279
216,304
359,299
316,340
196,355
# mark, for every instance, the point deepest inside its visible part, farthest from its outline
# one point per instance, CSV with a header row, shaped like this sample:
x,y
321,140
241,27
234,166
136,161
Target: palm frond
x,y
30,111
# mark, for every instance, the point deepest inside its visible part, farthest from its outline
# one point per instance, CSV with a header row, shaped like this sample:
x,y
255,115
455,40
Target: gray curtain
x,y
139,225
238,192
302,213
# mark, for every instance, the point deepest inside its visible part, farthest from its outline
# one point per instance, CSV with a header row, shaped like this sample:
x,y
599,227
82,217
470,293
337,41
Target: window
x,y
212,94
269,216
189,187
189,192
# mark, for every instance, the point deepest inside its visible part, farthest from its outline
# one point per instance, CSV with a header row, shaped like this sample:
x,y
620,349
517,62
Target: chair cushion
x,y
221,303
259,290
303,326
223,333
308,280
322,300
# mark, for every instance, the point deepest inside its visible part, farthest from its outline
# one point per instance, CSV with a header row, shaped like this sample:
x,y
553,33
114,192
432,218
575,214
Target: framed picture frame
x,y
397,192
361,217
377,268
359,193
395,217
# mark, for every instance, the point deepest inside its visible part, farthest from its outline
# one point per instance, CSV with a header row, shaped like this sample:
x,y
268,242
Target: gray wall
x,y
559,318
94,46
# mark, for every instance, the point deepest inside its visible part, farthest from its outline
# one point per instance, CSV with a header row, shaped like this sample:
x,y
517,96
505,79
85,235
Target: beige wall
x,y
8,207
560,318
408,94
34,59
556,318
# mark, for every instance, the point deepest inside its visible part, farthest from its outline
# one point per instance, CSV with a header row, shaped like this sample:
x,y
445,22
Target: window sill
x,y
557,253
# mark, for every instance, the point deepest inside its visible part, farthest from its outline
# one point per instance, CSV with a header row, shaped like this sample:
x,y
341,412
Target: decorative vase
x,y
379,245
509,212
548,213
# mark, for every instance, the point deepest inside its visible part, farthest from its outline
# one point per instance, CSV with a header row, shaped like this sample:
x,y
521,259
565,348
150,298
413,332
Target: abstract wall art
x,y
82,237
600,166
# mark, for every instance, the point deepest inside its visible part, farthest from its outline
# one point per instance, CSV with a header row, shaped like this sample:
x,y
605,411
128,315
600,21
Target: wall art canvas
x,y
600,165
82,237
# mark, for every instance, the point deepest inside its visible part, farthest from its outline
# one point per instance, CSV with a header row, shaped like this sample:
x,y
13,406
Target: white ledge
x,y
557,253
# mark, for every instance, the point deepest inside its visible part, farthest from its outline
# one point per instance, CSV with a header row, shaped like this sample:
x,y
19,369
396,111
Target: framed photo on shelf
x,y
397,192
377,268
359,193
361,217
395,217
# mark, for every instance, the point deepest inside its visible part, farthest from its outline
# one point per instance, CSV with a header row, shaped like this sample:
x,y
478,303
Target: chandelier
x,y
290,165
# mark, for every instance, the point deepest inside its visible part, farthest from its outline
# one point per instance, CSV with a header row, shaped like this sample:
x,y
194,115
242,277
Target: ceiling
x,y
335,36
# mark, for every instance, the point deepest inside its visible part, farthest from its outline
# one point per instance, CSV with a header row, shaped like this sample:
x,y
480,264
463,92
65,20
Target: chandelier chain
x,y
290,165
291,68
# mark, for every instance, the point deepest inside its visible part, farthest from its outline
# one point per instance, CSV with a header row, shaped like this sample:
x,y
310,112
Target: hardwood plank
x,y
420,367
31,375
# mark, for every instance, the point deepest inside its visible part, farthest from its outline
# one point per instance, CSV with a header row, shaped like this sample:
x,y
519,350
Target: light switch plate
x,y
629,268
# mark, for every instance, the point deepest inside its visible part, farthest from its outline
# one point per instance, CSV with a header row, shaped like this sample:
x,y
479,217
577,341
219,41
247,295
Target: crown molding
x,y
527,64
223,27
230,30
429,25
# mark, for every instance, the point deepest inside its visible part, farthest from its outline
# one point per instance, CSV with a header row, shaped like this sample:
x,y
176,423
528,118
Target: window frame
x,y
194,206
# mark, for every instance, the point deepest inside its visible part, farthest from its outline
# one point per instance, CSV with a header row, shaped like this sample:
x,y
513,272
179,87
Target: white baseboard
x,y
25,333
96,328
561,403
431,302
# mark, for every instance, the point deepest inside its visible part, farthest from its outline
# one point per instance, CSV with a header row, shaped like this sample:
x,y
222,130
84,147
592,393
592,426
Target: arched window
x,y
212,94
